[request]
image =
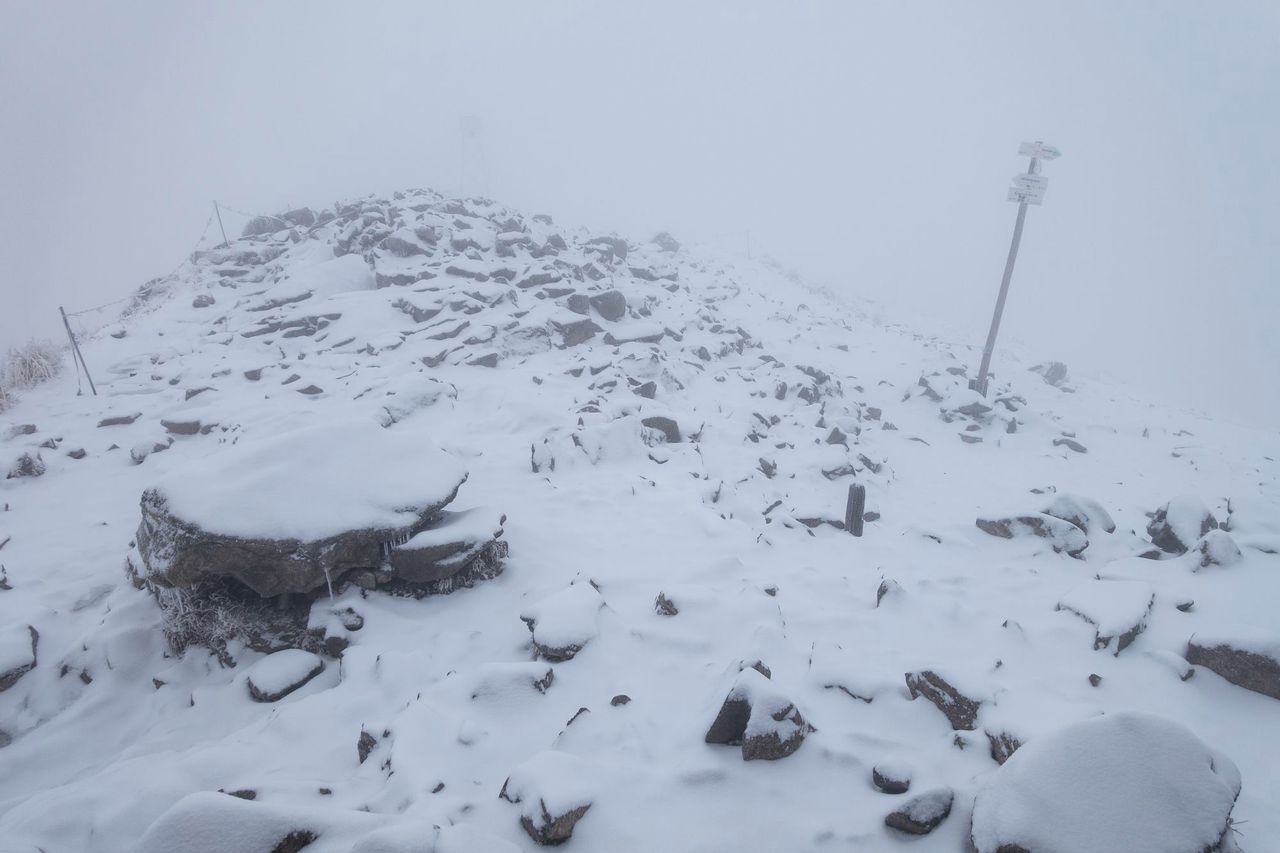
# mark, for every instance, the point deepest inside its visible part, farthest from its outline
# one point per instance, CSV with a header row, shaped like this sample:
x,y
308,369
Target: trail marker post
x,y
76,357
1028,188
225,241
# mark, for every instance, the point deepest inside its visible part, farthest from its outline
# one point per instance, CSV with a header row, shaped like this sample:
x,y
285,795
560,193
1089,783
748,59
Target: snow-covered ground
x,y
651,421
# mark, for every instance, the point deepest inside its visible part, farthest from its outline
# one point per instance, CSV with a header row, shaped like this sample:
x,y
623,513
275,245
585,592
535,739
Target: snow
x,y
98,754
314,481
1119,783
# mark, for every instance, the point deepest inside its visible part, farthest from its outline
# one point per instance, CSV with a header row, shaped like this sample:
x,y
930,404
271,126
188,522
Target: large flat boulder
x,y
1062,536
1119,783
1180,523
289,513
1249,659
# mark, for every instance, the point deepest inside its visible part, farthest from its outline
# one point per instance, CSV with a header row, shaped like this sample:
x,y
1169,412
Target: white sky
x,y
869,145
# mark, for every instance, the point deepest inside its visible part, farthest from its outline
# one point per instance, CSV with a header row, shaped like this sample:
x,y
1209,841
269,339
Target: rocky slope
x,y
643,575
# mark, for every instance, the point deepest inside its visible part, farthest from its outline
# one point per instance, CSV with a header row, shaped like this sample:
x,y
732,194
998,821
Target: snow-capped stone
x,y
501,681
1085,513
1180,523
18,646
1218,548
961,711
891,777
259,225
564,622
1119,783
451,542
1063,536
760,719
279,674
665,425
1117,609
922,814
553,792
1052,372
287,513
1247,658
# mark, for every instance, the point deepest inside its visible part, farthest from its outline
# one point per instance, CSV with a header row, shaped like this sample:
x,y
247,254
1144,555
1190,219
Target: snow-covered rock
x,y
1218,548
922,814
891,777
756,716
553,791
279,674
1117,609
1062,536
961,711
1085,513
1180,523
564,622
1118,783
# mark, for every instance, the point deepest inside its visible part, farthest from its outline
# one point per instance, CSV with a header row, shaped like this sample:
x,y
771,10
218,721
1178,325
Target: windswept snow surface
x,y
470,341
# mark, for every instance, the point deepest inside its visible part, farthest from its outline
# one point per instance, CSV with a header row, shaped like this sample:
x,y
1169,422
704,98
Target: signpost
x,y
1028,188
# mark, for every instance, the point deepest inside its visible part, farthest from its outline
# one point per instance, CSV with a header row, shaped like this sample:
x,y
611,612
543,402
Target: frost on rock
x,y
1247,658
279,674
1118,609
1180,523
1085,513
1062,536
564,622
761,720
26,465
451,542
1118,783
922,815
553,792
18,646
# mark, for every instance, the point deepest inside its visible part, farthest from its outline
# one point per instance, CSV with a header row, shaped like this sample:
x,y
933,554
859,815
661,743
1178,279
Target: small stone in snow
x,y
922,814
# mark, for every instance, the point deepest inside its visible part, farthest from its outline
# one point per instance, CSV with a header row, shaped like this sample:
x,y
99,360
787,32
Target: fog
x,y
867,145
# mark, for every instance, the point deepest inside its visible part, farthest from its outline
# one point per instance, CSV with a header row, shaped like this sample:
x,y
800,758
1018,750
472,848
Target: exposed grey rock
x,y
302,216
667,426
1052,372
960,710
119,420
19,662
648,390
181,427
578,303
577,332
664,606
611,305
365,744
204,300
1061,535
1003,745
449,543
1246,663
1070,444
666,242
922,815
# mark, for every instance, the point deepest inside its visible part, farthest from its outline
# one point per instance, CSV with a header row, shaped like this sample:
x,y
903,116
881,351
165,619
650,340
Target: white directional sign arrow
x,y
1038,150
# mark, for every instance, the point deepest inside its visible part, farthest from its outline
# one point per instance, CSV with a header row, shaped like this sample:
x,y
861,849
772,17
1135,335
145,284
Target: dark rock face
x,y
756,717
1052,372
667,426
577,332
365,744
1191,520
620,700
1061,535
178,553
922,815
119,420
664,606
1251,670
10,677
611,305
303,216
1003,745
553,830
666,242
204,300
960,710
